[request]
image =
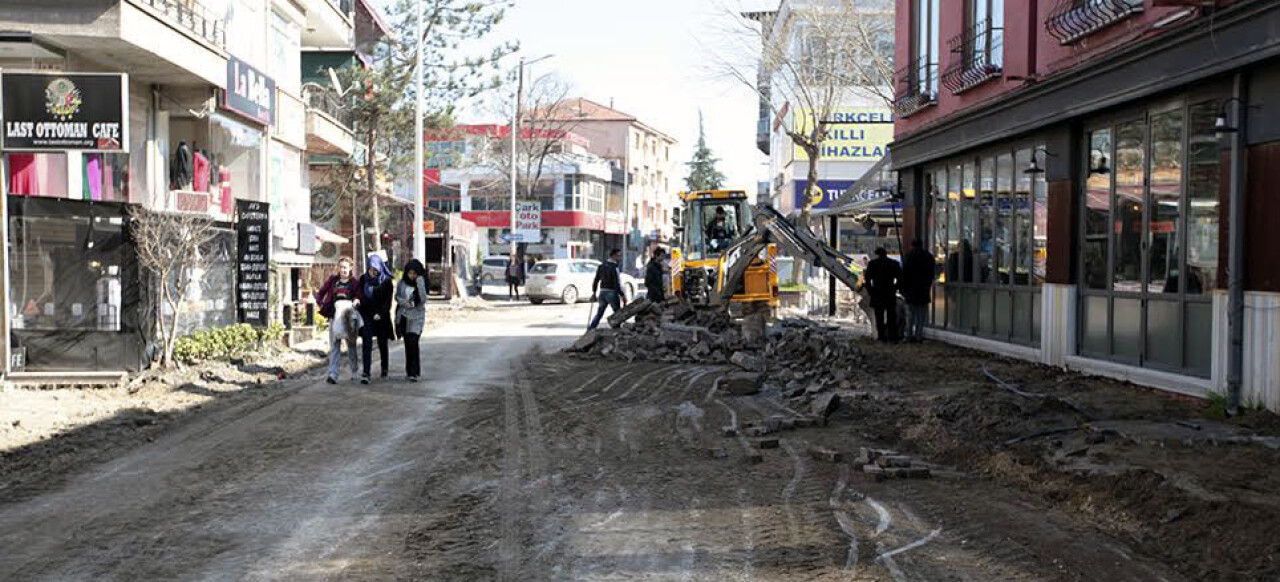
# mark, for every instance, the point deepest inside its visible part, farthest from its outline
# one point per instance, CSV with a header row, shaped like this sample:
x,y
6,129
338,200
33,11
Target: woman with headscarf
x,y
411,296
375,292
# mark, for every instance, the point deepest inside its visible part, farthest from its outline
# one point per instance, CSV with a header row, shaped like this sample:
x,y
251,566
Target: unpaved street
x,y
512,461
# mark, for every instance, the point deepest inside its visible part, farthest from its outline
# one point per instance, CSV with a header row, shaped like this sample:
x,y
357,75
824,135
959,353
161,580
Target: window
x,y
925,44
986,27
1149,239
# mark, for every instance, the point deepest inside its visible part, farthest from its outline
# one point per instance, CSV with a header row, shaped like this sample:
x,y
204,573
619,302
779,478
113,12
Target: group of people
x,y
361,307
885,278
607,290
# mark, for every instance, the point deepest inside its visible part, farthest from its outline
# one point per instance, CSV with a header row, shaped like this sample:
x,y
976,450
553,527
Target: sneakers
x,y
331,380
413,379
364,379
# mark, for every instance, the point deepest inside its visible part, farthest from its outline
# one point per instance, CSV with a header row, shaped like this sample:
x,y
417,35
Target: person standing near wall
x,y
411,297
918,271
884,275
376,292
338,301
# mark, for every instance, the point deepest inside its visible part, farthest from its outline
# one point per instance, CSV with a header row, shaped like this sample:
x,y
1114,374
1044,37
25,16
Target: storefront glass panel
x,y
1163,331
1006,272
1163,250
1095,333
1097,210
1204,177
986,228
1128,208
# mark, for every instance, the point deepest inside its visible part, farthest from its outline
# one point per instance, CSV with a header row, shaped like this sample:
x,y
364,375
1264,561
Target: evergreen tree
x,y
703,174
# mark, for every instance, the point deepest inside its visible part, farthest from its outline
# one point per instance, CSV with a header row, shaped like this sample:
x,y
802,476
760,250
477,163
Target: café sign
x,y
65,111
249,92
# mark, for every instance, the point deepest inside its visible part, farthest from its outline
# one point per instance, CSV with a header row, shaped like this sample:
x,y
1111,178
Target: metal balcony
x,y
327,102
1072,20
916,87
979,57
192,16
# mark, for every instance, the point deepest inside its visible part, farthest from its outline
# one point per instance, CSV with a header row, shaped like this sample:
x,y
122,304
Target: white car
x,y
494,270
569,280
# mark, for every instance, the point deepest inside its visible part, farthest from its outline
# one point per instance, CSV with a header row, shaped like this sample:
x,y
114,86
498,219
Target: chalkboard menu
x,y
253,241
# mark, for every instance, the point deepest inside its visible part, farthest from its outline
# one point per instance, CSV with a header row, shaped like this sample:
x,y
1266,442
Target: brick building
x,y
1072,165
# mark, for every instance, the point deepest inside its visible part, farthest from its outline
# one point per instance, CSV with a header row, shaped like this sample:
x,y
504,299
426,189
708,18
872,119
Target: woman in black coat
x,y
376,295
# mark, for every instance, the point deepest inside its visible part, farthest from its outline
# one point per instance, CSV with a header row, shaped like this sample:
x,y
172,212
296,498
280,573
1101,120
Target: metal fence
x,y
193,16
327,102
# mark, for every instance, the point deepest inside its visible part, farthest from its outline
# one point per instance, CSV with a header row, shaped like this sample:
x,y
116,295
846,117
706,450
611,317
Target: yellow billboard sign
x,y
853,133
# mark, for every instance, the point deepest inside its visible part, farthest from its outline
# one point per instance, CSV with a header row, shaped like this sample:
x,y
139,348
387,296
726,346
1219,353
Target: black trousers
x,y
886,323
367,334
513,287
412,358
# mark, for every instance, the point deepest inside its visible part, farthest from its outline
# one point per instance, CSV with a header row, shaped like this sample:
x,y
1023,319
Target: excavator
x,y
728,251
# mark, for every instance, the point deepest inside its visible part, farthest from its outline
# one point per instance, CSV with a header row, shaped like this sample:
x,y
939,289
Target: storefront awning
x,y
326,236
877,186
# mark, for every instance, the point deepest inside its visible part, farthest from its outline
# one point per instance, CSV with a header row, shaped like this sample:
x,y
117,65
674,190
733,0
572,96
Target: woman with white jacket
x,y
411,297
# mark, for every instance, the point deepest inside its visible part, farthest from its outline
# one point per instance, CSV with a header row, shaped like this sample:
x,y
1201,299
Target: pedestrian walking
x,y
411,297
654,277
376,292
918,271
607,287
513,279
884,275
338,298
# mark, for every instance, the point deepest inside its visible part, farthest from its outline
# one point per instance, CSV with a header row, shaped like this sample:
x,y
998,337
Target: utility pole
x,y
515,129
419,197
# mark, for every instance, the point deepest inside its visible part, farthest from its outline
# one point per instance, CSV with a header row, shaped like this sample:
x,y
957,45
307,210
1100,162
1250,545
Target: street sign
x,y
512,237
528,221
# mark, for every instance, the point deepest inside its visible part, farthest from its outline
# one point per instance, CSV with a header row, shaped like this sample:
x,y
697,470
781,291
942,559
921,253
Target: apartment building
x,y
1078,168
208,104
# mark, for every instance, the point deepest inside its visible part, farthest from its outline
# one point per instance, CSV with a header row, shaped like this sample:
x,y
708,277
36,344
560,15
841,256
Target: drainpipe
x,y
1235,253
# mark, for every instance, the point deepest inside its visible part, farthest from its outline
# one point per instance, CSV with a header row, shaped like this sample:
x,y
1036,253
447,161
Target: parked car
x,y
494,270
568,281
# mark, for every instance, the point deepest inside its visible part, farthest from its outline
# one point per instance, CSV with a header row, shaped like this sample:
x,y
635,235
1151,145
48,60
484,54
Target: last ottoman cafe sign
x,y
65,111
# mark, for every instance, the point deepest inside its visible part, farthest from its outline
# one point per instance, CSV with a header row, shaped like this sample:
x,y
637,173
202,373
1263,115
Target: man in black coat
x,y
654,282
918,271
883,276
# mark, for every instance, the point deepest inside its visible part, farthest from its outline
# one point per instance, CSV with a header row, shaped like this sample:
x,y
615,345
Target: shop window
x,y
99,177
37,174
1151,226
1003,245
986,253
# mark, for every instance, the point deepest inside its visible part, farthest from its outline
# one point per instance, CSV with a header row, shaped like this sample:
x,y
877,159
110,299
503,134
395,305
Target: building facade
x,y
1073,167
213,114
652,181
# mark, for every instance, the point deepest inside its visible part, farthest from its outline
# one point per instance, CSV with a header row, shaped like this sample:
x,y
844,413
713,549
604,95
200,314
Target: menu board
x,y
253,244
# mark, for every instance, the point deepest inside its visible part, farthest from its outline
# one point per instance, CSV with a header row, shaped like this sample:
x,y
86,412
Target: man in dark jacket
x,y
918,271
883,277
607,287
654,280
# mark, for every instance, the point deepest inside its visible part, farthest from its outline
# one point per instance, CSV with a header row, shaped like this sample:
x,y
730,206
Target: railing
x,y
917,87
344,6
328,103
1072,20
193,16
979,56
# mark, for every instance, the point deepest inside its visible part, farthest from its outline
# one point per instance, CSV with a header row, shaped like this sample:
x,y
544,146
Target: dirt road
x,y
514,462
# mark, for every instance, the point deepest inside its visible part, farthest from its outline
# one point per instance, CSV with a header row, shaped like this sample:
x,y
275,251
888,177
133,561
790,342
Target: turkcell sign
x,y
828,191
249,92
851,134
65,111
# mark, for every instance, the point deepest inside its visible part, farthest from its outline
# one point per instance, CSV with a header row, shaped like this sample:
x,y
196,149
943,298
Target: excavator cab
x,y
711,223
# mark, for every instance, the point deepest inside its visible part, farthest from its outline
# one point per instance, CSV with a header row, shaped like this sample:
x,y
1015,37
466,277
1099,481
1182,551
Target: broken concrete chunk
x,y
740,383
774,422
632,309
769,443
825,455
825,404
746,361
729,431
588,339
718,452
758,431
753,456
893,461
805,422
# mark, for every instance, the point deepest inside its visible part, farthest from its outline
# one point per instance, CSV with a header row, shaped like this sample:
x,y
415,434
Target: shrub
x,y
225,343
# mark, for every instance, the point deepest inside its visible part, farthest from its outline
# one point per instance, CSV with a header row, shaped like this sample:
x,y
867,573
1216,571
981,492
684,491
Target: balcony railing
x,y
1072,20
193,16
344,6
916,87
979,56
328,103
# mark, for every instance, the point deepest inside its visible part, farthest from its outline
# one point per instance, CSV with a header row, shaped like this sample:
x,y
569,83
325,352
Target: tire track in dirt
x,y
789,492
509,506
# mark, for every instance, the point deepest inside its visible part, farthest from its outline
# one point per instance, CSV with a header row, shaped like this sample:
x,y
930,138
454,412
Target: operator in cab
x,y
720,232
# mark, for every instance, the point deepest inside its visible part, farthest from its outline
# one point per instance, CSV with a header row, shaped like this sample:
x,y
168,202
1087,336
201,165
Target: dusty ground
x,y
513,461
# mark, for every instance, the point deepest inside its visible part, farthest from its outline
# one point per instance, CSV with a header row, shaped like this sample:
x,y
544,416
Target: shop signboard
x,y
528,221
253,237
249,92
852,133
65,111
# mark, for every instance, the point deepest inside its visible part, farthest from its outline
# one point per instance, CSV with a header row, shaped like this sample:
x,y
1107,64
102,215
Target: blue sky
x,y
649,58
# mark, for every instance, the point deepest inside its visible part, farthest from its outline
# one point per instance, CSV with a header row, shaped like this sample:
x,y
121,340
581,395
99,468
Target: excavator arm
x,y
771,227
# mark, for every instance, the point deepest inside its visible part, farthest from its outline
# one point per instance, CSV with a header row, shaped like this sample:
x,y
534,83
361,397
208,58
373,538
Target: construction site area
x,y
681,445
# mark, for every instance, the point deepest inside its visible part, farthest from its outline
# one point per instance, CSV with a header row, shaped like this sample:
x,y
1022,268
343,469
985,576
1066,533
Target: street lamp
x,y
515,130
419,197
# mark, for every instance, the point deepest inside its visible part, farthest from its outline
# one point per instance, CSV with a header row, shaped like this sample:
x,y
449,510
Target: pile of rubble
x,y
795,358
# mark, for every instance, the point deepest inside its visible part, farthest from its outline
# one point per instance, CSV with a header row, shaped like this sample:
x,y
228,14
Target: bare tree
x,y
808,59
171,247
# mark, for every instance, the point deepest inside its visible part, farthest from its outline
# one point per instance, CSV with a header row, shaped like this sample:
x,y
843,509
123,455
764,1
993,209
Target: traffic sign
x,y
513,237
